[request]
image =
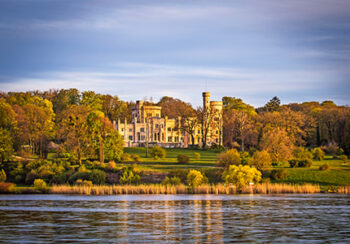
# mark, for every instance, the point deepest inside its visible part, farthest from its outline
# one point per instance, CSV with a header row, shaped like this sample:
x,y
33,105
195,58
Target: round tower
x,y
206,101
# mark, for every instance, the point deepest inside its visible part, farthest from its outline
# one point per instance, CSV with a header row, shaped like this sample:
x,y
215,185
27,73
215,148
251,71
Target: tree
x,y
318,153
73,130
104,137
2,176
190,125
230,157
278,144
196,178
112,107
261,160
205,118
92,100
6,145
273,104
174,108
241,175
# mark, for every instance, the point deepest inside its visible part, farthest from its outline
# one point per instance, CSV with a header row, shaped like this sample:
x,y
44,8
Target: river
x,y
175,218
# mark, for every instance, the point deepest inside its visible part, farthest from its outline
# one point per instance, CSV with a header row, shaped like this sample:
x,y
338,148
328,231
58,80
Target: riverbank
x,y
264,188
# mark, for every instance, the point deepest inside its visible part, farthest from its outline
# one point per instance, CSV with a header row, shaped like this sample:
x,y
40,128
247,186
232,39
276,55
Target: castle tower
x,y
206,101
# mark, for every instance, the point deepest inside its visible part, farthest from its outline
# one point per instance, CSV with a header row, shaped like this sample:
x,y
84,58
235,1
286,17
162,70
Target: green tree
x,y
241,175
273,104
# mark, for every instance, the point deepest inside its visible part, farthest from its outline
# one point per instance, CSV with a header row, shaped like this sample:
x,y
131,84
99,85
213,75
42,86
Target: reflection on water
x,y
174,218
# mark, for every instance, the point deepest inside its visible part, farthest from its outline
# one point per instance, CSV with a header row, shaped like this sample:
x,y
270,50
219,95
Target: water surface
x,y
175,218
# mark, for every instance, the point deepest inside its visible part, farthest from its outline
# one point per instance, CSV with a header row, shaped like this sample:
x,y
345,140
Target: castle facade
x,y
149,127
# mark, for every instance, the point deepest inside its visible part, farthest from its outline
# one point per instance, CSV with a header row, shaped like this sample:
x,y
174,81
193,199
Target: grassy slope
x,y
339,174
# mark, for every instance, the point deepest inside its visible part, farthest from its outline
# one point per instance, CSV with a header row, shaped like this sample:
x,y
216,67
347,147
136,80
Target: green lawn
x,y
338,174
207,159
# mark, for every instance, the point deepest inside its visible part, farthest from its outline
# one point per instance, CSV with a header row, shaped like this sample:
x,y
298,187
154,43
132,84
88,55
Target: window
x,y
142,138
157,115
122,129
142,129
176,139
170,139
130,138
149,115
217,140
169,129
157,125
130,130
198,132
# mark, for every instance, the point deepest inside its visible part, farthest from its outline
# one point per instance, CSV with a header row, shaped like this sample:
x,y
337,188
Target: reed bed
x,y
343,190
182,189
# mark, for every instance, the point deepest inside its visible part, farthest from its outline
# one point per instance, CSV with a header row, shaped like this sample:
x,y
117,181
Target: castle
x,y
149,127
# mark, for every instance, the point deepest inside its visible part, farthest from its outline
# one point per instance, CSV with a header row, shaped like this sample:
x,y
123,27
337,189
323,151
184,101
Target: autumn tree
x,y
278,144
73,130
174,108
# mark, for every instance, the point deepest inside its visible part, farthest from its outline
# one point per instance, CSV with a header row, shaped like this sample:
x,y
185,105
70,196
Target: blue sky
x,y
254,50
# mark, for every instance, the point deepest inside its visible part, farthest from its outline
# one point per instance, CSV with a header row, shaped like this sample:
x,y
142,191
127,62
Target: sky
x,y
249,49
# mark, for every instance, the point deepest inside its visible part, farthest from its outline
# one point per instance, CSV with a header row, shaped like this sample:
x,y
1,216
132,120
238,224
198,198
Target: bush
x,y
6,187
302,153
80,182
294,163
111,165
158,152
183,158
98,177
324,167
2,176
343,158
279,174
197,156
245,158
78,175
261,160
180,173
136,158
217,147
125,157
40,184
241,175
129,177
230,157
171,181
196,178
318,153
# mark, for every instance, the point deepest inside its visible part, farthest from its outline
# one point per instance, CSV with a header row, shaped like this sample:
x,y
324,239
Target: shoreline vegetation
x,y
214,189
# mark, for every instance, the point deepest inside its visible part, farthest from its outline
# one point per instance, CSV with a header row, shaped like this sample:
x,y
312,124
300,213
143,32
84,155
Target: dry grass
x,y
343,190
182,189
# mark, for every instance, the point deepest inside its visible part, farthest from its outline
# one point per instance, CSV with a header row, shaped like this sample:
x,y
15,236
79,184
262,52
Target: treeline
x,y
279,129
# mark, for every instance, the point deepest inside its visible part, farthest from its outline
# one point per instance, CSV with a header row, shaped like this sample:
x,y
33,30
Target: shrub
x,y
245,158
196,178
183,158
279,174
80,182
217,147
241,175
125,157
294,163
261,160
302,153
197,156
230,157
6,187
78,175
158,152
324,167
40,184
171,181
343,158
318,153
98,177
82,169
129,177
2,176
136,158
111,165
